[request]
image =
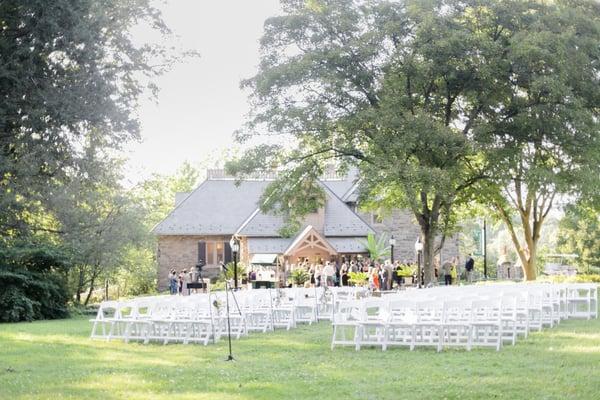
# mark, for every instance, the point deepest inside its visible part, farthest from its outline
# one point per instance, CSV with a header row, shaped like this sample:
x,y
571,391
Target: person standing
x,y
180,282
327,275
454,272
447,270
173,282
344,274
319,275
469,267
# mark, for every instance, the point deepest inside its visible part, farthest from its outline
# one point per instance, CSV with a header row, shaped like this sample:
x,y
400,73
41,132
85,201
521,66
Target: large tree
x,y
542,139
97,220
67,69
429,99
397,89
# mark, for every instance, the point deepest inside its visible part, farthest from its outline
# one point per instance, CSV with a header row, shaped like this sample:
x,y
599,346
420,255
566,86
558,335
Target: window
x,y
210,253
220,252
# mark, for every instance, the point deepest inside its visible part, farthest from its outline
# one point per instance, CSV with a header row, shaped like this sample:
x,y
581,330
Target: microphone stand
x,y
227,290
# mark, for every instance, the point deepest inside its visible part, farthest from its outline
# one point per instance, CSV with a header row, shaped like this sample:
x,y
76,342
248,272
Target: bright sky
x,y
200,103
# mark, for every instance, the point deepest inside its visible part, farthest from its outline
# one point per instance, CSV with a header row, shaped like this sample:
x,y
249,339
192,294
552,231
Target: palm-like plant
x,y
377,247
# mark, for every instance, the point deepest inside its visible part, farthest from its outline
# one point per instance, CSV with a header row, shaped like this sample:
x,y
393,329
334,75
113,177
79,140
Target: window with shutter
x,y
228,254
202,253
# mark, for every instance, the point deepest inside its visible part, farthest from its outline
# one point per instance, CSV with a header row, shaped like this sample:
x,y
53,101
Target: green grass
x,y
57,360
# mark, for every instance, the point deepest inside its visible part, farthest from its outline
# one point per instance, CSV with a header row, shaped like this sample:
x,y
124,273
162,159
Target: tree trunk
x,y
528,252
79,286
428,240
89,294
530,266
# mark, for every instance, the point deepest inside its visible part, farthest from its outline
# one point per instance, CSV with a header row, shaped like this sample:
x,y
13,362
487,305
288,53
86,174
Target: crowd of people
x,y
381,276
178,281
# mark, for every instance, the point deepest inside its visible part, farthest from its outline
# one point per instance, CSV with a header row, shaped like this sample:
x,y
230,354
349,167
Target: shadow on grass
x,y
55,361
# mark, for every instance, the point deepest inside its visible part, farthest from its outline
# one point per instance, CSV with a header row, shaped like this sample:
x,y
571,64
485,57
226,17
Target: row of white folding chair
x,y
182,321
465,322
582,300
165,319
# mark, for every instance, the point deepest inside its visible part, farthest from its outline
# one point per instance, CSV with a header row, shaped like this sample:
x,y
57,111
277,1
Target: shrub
x,y
15,306
299,276
359,278
27,296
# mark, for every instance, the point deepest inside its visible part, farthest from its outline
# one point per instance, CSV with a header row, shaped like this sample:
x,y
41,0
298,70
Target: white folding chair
x,y
455,327
399,329
427,329
345,323
509,318
108,313
486,324
372,323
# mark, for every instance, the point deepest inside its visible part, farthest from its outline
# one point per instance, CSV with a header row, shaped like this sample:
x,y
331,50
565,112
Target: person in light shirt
x,y
328,273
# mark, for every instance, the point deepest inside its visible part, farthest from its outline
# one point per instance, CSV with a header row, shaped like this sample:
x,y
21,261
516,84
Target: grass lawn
x,y
57,360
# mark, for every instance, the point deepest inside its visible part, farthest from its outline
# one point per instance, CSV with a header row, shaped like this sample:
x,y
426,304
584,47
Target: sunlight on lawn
x,y
56,359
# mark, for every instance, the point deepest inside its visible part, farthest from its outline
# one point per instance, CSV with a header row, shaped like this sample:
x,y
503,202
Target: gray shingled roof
x,y
261,224
339,220
216,207
347,244
220,207
344,188
340,188
270,245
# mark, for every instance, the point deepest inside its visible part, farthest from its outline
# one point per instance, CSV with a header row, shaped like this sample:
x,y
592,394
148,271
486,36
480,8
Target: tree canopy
x,y
430,100
70,73
71,76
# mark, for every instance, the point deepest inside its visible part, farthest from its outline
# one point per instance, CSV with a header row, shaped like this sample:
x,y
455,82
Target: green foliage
x,y
300,276
136,275
378,248
407,271
72,73
27,296
358,278
541,135
436,103
228,275
242,271
579,233
15,306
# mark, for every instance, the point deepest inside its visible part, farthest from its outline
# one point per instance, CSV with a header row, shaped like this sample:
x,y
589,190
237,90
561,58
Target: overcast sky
x,y
200,103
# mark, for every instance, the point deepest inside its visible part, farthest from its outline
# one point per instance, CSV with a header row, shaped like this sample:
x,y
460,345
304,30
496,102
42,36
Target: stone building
x,y
202,223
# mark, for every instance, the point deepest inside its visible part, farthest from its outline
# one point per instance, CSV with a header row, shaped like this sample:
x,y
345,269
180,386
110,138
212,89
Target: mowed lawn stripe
x,y
57,360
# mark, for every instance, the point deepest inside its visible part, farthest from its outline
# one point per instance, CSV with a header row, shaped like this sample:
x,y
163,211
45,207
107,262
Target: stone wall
x,y
402,224
179,253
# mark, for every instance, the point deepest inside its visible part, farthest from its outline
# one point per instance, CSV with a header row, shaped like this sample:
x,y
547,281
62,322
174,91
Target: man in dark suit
x,y
469,267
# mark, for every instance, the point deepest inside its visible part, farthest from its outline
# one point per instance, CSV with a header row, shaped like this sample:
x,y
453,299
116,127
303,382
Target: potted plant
x,y
359,278
299,277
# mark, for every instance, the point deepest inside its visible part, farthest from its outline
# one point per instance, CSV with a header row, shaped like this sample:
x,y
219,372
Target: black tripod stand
x,y
227,290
